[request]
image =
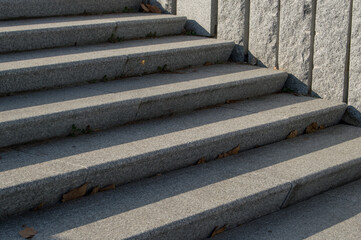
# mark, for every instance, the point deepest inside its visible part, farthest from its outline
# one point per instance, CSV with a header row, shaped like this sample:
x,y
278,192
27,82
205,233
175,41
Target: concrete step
x,y
30,34
25,71
52,113
42,172
332,215
192,202
43,8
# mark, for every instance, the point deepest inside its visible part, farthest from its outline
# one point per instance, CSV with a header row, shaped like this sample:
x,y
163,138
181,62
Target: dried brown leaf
x,y
107,188
234,151
217,231
95,190
292,134
322,127
207,64
28,233
201,161
153,9
313,127
75,193
145,9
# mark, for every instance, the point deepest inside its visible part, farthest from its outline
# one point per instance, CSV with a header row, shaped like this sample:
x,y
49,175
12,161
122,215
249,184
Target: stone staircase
x,y
191,142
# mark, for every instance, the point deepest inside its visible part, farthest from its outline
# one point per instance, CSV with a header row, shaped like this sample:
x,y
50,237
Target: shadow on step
x,y
333,215
141,136
136,87
151,195
91,51
61,20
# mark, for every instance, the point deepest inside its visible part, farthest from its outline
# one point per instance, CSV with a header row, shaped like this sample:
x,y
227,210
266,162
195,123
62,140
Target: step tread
x,y
147,148
61,56
180,200
334,214
11,9
57,23
54,32
48,114
30,105
123,143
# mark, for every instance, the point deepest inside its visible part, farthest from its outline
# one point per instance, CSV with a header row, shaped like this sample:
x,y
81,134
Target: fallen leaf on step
x,y
201,161
27,233
145,9
313,127
153,9
142,62
107,188
292,134
322,127
75,193
207,64
158,175
40,206
94,190
234,151
217,230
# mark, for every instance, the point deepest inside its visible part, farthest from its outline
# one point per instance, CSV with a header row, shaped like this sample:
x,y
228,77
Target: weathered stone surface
x,y
355,58
38,33
201,14
32,70
44,8
331,215
231,25
330,48
263,32
295,43
167,6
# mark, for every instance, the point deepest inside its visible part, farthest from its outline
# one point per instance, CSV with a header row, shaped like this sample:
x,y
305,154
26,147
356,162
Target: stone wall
x,y
318,42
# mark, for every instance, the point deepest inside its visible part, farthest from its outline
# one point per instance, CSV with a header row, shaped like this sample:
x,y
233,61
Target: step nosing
x,y
108,54
236,190
136,158
90,25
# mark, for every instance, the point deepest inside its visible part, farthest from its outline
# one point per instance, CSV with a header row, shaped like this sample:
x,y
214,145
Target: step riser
x,y
106,116
111,67
89,34
42,8
126,170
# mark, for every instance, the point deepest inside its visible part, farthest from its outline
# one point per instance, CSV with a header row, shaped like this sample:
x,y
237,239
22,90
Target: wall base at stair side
x,y
232,17
263,31
330,53
295,43
201,15
354,96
